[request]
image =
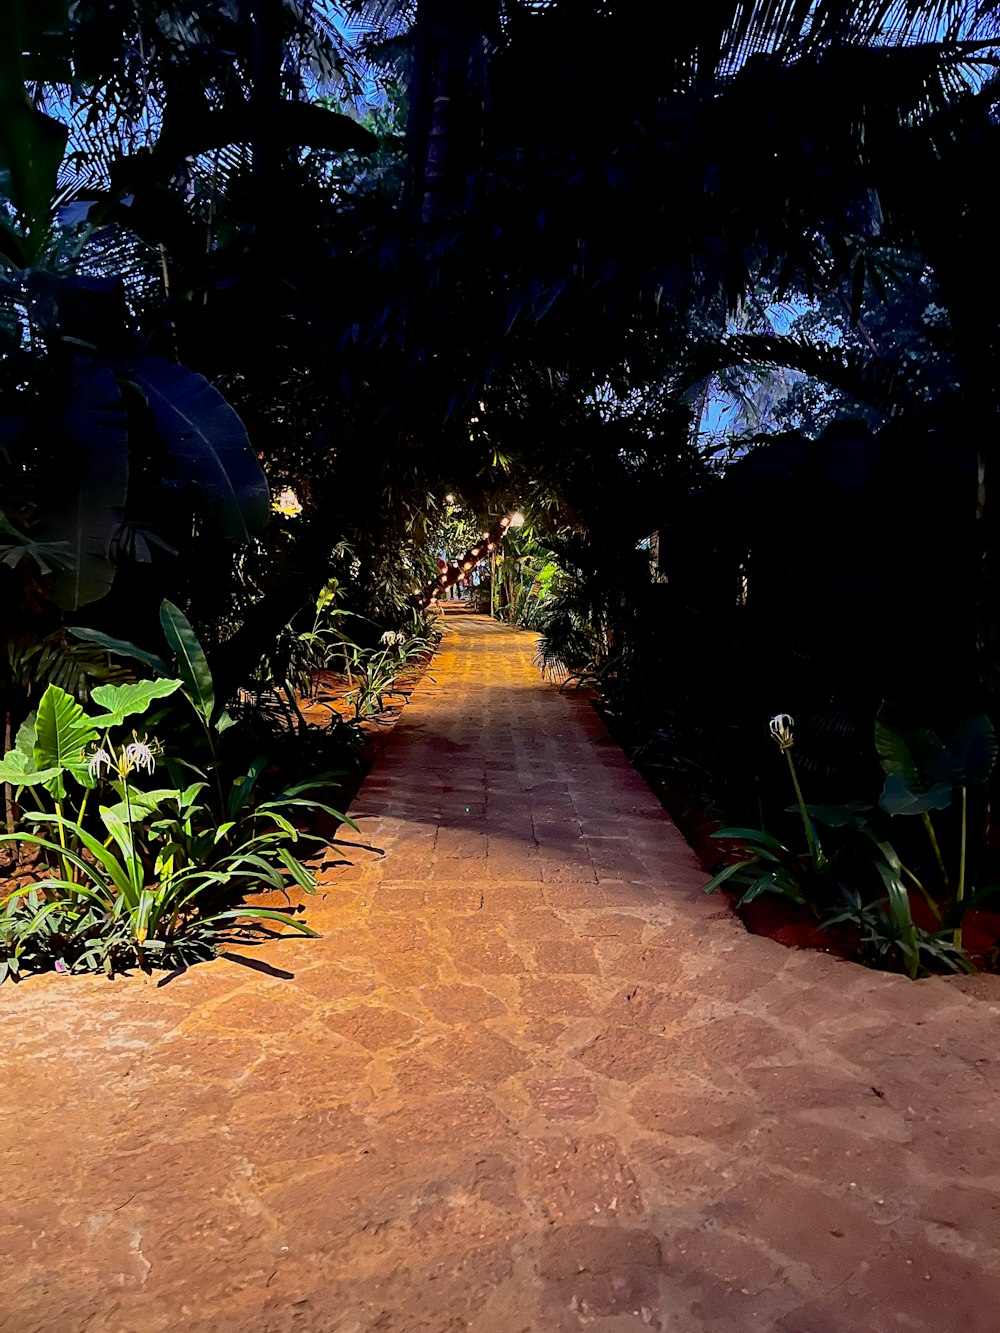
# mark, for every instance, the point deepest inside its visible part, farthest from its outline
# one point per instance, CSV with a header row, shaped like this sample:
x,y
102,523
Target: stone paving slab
x,y
531,1080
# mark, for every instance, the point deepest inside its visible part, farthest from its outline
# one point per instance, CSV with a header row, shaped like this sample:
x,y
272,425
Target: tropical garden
x,y
683,355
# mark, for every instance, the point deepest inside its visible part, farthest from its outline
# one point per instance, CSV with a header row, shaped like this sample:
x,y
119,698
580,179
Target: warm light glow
x,y
286,502
475,551
449,499
517,520
505,522
467,564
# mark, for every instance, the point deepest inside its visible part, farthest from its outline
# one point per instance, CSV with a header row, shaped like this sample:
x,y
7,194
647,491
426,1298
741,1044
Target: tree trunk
x,y
453,42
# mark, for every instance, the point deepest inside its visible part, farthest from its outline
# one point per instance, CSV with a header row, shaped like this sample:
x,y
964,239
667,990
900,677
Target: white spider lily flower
x,y
98,759
781,730
391,638
139,755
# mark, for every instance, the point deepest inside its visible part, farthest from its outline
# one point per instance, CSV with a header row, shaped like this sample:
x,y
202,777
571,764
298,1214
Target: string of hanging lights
x,y
451,572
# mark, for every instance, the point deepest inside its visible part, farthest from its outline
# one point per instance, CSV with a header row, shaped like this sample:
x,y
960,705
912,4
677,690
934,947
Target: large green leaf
x,y
31,148
93,487
124,701
923,769
19,770
974,747
208,443
63,736
899,798
141,805
25,739
912,754
192,665
50,557
121,648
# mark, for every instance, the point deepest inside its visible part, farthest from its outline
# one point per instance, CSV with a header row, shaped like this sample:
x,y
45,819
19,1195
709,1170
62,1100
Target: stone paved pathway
x,y
530,1080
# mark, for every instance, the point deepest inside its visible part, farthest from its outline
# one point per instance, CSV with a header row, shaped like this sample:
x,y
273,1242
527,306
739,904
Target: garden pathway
x,y
531,1080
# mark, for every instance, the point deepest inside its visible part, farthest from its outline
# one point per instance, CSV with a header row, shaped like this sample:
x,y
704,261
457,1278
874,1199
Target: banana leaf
x,y
208,443
95,485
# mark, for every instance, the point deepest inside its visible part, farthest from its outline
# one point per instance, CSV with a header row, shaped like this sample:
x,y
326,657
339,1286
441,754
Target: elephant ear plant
x,y
928,772
194,680
818,879
153,875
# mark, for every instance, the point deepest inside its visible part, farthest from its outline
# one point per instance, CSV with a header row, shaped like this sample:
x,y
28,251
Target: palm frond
x,y
885,387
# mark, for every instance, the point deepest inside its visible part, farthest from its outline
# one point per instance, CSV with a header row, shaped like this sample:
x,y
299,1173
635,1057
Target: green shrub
x,y
130,874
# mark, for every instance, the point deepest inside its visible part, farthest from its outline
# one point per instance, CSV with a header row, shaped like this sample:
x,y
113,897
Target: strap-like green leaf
x,y
726,873
267,914
753,837
765,884
106,859
242,789
192,665
302,877
120,648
